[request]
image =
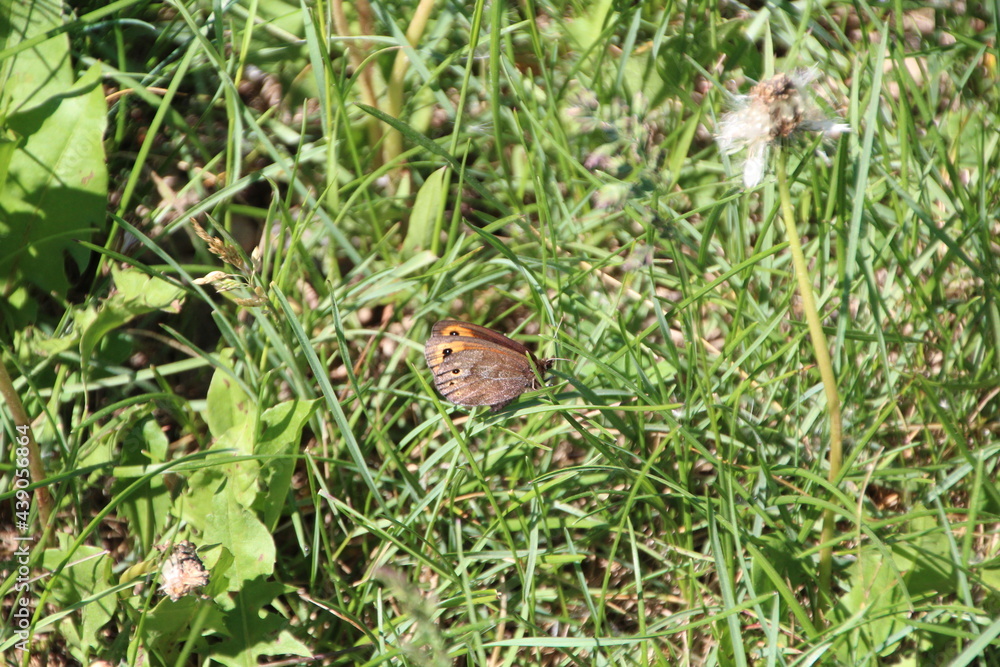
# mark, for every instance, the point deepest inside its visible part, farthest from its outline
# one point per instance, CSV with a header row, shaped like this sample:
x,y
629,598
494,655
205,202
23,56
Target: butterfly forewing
x,y
467,329
473,365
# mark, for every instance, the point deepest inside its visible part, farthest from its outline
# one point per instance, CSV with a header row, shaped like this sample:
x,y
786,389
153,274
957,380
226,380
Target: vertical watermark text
x,y
20,615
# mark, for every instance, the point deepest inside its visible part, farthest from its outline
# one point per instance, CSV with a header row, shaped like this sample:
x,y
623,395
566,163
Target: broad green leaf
x,y
137,294
872,604
8,146
40,72
237,529
147,509
56,186
427,211
279,443
586,28
85,574
925,560
254,631
227,404
168,626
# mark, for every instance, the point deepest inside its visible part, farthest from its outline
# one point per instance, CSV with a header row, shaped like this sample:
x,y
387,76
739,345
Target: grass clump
x,y
233,355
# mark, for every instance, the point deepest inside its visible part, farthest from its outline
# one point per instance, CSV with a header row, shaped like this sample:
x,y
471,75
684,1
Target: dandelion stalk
x,y
768,118
822,362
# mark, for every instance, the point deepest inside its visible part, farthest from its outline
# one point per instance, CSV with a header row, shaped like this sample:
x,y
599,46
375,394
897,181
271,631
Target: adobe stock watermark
x,y
20,615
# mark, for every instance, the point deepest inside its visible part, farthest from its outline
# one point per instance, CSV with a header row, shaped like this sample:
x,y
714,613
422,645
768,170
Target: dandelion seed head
x,y
780,100
774,111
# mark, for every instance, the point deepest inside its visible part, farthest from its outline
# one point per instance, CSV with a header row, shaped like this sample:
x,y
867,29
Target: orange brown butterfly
x,y
473,365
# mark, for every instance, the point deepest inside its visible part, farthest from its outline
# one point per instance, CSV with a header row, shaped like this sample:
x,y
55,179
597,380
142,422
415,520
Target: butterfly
x,y
473,365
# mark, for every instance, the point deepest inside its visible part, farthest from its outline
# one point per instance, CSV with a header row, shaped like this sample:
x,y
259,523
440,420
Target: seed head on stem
x,y
774,111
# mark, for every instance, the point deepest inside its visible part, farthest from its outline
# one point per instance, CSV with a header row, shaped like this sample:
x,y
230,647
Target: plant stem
x,y
21,421
393,144
822,362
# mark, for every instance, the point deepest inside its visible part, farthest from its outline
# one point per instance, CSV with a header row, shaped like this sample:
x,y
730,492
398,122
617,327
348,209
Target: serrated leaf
x,y
255,632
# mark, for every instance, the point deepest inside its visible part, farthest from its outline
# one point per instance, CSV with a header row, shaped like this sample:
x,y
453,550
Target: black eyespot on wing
x,y
445,352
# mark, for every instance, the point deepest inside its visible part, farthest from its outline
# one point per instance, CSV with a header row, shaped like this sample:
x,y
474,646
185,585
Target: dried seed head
x,y
183,573
774,111
781,100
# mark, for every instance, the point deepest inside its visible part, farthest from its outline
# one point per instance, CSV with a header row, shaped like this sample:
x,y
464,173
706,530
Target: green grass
x,y
547,170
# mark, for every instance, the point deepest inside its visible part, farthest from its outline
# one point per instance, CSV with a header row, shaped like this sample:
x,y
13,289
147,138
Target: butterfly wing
x,y
468,329
459,328
473,365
